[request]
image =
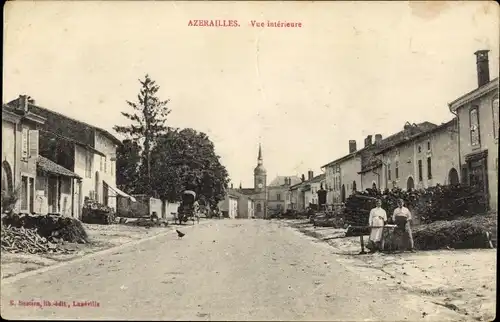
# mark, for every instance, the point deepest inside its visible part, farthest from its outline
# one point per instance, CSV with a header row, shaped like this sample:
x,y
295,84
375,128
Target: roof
x,y
388,141
318,178
345,157
474,94
49,166
417,135
237,193
280,180
44,110
21,114
247,191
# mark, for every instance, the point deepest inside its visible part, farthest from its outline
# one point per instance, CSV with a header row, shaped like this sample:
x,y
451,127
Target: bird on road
x,y
180,234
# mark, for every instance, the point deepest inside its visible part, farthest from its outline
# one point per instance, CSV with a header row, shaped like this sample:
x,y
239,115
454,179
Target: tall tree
x,y
186,160
148,122
128,157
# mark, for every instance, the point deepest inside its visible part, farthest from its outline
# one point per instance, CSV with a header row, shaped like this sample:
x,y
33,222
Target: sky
x,y
352,69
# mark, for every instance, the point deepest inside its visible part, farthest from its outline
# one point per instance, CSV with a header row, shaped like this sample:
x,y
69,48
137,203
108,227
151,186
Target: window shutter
x,y
33,143
24,143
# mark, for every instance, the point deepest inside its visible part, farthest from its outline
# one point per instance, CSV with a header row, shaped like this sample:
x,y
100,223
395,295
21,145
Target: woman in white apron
x,y
378,218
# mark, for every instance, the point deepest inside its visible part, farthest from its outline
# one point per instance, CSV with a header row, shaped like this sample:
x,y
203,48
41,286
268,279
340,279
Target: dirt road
x,y
224,270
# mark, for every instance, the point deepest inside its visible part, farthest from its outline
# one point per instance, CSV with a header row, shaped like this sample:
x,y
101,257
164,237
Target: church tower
x,y
259,174
260,190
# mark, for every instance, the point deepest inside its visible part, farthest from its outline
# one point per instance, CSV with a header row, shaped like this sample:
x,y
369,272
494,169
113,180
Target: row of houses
x,y
56,161
461,150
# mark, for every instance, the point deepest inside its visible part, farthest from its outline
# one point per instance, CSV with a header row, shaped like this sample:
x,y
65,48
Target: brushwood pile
x,y
429,205
94,212
34,234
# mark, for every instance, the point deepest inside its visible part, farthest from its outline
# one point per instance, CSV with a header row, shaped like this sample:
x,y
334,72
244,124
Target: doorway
x,y
52,194
453,177
410,184
478,178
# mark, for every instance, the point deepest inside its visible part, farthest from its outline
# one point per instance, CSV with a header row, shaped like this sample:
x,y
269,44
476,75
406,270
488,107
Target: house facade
x,y
477,115
237,205
297,199
54,189
342,176
374,168
20,152
420,160
312,187
278,193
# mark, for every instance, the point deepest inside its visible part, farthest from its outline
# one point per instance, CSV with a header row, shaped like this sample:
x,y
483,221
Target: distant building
x,y
311,188
258,193
278,193
478,125
305,192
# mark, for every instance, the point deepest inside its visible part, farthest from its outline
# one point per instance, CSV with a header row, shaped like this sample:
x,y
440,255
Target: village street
x,y
221,270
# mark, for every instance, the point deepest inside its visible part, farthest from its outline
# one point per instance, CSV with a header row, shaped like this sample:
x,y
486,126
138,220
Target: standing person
x,y
402,218
377,219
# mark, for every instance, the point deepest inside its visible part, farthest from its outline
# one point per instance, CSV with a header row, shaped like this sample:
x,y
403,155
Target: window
x,y
31,190
88,164
101,167
389,171
475,139
259,207
105,164
24,193
396,170
420,177
419,149
428,145
429,168
278,196
495,117
25,144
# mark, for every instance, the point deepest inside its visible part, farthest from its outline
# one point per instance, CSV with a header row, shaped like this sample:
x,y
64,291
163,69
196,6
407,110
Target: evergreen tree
x,y
148,122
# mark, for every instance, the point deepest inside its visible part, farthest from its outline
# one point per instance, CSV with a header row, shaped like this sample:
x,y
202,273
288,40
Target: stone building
x,y
419,159
20,152
278,193
477,115
85,150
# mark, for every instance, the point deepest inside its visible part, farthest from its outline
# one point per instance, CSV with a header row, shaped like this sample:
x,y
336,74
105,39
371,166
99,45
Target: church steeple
x,y
259,172
259,158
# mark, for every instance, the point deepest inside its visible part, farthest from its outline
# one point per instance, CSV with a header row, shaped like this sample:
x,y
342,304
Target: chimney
x,y
352,146
23,103
310,175
303,178
378,138
368,141
483,68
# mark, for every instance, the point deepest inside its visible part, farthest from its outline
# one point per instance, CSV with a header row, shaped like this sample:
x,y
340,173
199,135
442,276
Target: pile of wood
x,y
327,219
428,205
17,240
145,222
96,213
456,234
49,226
